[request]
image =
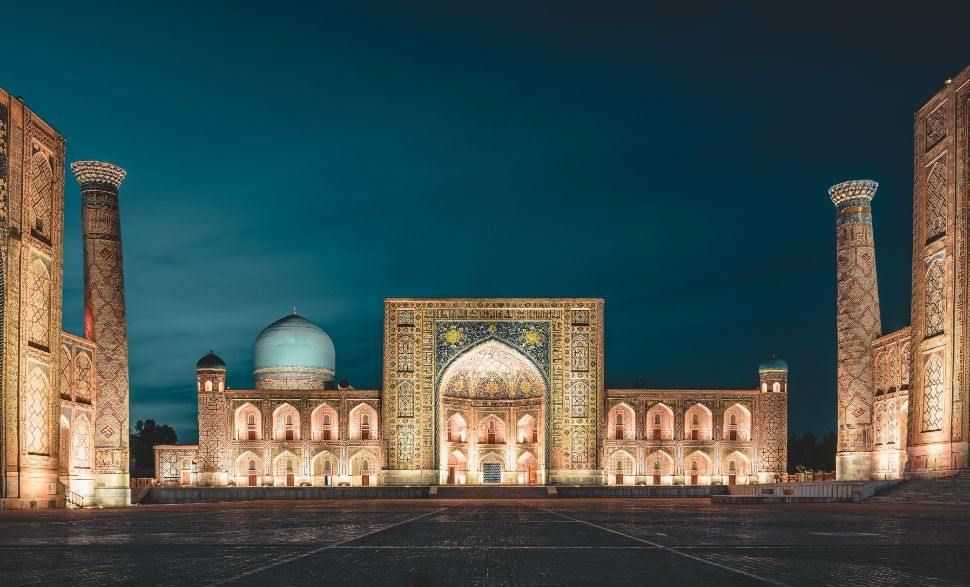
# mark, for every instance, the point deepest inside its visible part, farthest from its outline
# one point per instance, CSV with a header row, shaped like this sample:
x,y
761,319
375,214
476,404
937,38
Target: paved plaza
x,y
548,542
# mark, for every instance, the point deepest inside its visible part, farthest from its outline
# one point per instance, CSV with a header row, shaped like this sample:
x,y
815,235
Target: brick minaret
x,y
104,323
858,324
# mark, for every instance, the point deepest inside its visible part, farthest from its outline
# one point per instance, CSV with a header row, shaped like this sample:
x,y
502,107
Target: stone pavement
x,y
549,542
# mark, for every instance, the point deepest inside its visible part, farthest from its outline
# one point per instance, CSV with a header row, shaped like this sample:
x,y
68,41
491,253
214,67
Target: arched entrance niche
x,y
500,395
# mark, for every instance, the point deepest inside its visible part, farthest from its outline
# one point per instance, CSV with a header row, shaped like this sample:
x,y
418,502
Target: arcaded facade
x,y
902,408
476,391
64,398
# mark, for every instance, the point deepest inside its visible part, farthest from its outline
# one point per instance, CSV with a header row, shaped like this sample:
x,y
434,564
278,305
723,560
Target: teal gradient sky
x,y
672,161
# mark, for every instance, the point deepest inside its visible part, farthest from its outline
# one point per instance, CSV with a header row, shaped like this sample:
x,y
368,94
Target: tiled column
x,y
858,324
104,323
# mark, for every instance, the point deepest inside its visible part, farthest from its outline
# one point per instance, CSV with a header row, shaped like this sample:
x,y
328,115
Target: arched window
x,y
734,419
250,427
208,386
656,420
252,465
700,422
186,463
363,422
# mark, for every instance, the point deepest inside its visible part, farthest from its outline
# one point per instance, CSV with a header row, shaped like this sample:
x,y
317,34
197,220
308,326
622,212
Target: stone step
x,y
491,492
942,491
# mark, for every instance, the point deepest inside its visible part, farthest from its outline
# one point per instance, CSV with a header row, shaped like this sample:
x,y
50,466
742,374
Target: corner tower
x,y
213,465
773,420
858,324
105,324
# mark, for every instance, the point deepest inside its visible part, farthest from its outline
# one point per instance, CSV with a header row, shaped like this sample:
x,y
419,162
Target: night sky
x,y
672,161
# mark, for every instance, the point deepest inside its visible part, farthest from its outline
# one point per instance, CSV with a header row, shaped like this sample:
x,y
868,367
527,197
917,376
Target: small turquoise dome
x,y
773,364
293,341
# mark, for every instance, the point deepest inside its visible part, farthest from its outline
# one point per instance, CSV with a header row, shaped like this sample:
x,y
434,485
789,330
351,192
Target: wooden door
x,y
251,435
289,434
656,479
186,477
733,435
532,474
365,479
252,480
289,479
693,479
732,479
656,433
694,434
619,479
451,474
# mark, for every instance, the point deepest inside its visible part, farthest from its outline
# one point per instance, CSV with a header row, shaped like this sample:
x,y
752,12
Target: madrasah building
x,y
476,391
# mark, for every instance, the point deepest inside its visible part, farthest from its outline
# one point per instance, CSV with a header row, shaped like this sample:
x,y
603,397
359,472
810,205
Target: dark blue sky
x,y
672,161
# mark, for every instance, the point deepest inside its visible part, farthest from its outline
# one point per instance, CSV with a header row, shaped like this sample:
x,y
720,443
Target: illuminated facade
x,y
64,402
902,396
476,391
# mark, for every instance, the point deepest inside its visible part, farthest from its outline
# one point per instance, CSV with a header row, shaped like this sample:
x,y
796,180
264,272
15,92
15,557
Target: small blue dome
x,y
773,364
293,341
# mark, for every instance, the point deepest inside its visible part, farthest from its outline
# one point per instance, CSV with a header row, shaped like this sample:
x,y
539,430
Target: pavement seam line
x,y
290,559
664,547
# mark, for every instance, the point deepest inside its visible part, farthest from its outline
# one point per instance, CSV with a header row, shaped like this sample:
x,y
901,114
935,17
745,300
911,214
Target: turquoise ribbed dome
x,y
293,341
773,364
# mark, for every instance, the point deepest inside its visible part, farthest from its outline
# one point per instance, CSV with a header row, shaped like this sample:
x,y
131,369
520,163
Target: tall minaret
x,y
104,323
858,324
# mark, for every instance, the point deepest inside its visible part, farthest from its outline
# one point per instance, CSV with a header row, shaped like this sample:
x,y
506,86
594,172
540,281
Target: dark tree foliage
x,y
147,435
808,453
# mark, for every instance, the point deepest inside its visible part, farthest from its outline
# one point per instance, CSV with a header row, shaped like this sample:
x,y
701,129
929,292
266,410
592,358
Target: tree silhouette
x,y
148,434
808,453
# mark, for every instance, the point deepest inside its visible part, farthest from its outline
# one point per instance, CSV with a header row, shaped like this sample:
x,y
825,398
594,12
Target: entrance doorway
x,y
451,474
491,472
186,477
252,480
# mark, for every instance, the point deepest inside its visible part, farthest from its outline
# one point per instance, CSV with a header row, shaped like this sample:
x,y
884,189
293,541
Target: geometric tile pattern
x,y
935,304
933,394
936,192
37,412
935,127
42,196
38,296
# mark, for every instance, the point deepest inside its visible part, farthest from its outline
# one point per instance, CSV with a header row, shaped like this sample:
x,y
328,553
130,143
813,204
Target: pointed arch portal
x,y
499,396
